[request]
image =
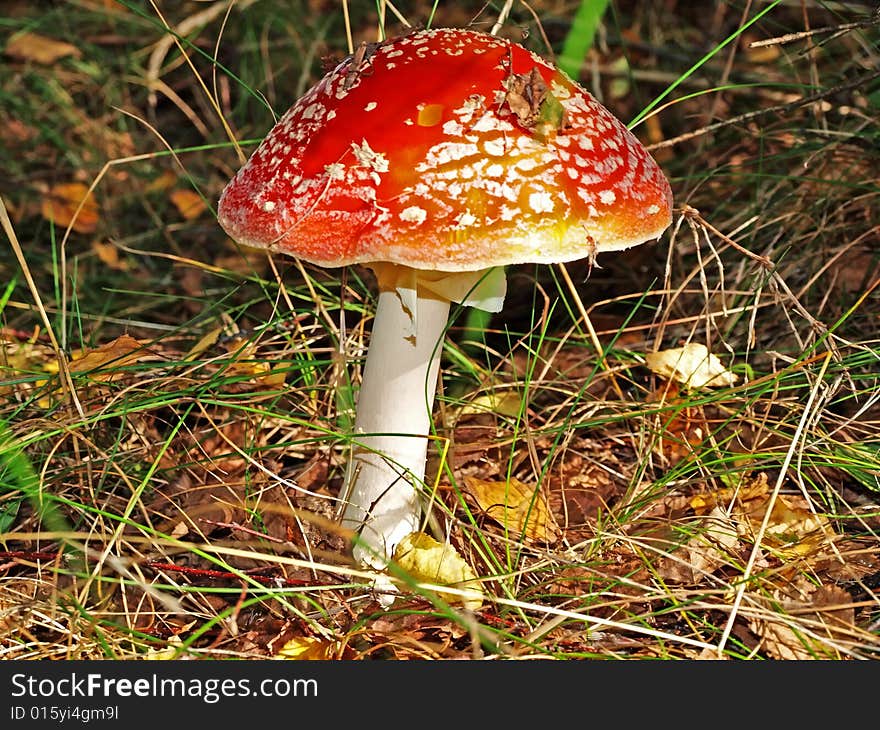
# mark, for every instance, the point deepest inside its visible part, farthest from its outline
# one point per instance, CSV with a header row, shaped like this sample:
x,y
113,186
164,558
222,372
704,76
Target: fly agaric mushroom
x,y
434,159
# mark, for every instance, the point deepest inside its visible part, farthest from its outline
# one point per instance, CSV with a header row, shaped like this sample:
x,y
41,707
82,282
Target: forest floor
x,y
174,408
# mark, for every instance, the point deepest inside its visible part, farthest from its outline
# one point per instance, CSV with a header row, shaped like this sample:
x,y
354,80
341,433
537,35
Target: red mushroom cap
x,y
447,150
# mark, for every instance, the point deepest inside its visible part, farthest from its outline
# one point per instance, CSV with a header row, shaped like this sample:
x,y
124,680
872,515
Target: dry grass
x,y
173,490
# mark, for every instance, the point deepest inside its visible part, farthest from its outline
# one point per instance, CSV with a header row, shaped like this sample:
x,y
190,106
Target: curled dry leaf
x,y
39,48
516,506
692,365
104,363
71,204
429,561
681,431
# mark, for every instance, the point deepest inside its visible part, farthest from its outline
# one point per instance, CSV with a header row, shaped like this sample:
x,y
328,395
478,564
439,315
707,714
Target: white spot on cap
x,y
446,152
491,123
368,158
310,111
335,170
453,128
413,214
471,104
541,202
268,206
494,147
607,197
653,209
465,219
559,91
369,107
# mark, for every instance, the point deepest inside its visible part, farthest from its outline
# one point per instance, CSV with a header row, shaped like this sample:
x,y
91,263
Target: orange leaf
x,y
39,49
109,255
188,203
71,204
163,182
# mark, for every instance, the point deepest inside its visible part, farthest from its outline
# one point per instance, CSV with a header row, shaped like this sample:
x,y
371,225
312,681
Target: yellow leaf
x,y
122,351
793,529
429,561
168,653
693,365
71,203
748,489
506,403
188,203
209,339
515,505
308,647
38,48
18,358
246,363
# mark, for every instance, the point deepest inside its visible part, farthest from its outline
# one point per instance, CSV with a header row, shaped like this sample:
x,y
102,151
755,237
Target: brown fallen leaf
x,y
39,48
749,489
515,506
429,561
14,131
171,651
71,204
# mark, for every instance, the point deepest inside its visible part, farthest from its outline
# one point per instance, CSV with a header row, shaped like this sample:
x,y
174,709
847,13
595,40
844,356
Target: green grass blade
x,y
580,37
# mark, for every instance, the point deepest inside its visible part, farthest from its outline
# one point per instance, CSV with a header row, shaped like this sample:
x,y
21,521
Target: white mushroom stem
x,y
386,471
